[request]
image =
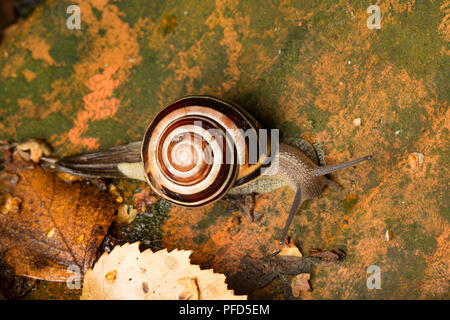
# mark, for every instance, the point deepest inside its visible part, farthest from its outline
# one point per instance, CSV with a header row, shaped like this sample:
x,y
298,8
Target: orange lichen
x,y
98,105
15,63
230,39
29,75
39,49
115,53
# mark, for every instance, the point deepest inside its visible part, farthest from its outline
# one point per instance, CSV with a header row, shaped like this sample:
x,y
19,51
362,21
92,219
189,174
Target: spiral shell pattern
x,y
190,157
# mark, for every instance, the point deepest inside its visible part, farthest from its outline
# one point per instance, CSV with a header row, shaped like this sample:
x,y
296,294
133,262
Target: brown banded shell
x,y
196,149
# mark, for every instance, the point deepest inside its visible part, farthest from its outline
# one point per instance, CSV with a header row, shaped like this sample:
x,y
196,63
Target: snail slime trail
x,y
199,148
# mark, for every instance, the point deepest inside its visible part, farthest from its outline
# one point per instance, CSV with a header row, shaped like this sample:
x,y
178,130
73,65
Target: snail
x,y
200,148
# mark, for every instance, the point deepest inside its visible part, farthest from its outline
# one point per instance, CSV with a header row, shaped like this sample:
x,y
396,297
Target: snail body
x,y
200,148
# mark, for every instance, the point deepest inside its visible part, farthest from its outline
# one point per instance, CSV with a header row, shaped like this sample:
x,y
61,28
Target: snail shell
x,y
195,150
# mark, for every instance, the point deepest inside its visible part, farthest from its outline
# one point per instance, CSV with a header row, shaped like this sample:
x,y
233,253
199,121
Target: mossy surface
x,y
306,67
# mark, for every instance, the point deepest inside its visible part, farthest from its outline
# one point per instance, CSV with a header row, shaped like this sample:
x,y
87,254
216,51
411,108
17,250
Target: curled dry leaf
x,y
327,256
11,205
57,226
300,283
290,249
126,214
68,178
36,148
152,275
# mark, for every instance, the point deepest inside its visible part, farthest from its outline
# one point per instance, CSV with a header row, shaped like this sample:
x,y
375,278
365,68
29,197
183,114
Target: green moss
x,y
334,23
97,13
200,239
413,42
409,270
216,212
133,10
349,202
444,211
416,238
146,228
109,132
53,124
443,153
405,180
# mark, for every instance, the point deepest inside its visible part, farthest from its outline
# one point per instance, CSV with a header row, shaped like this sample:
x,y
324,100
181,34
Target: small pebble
x,y
51,233
357,122
388,235
415,159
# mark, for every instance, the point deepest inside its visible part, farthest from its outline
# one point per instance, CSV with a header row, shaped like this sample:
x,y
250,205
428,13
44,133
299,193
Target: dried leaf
x,y
327,256
289,249
152,275
300,283
68,178
126,214
37,148
11,206
58,225
191,292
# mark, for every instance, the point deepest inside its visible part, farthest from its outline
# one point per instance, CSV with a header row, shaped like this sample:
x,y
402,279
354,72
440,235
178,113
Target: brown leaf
x,y
331,256
300,283
126,273
58,225
12,286
9,179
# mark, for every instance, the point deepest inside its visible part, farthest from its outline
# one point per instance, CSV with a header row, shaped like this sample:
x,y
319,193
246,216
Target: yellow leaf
x,y
290,249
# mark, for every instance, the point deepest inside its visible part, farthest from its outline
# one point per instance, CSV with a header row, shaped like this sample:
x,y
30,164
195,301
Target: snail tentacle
x,y
303,176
